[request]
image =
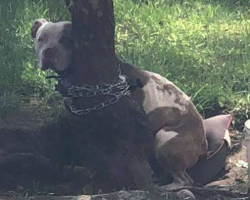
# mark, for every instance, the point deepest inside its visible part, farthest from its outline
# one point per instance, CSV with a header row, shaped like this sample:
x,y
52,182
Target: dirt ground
x,y
235,175
32,119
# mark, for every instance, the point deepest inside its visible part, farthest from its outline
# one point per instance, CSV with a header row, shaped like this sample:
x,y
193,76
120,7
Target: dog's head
x,y
53,44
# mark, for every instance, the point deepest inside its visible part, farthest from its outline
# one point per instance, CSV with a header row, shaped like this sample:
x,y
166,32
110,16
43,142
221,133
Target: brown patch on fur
x,y
172,90
191,137
157,80
160,118
162,87
178,154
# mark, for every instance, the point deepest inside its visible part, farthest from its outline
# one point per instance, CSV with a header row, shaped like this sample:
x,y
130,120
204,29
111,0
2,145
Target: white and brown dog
x,y
174,121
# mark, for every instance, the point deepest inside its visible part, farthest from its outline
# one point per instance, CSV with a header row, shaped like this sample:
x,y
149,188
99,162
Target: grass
x,y
20,77
203,46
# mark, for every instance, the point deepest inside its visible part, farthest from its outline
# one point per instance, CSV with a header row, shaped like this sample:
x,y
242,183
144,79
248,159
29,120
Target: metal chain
x,y
117,90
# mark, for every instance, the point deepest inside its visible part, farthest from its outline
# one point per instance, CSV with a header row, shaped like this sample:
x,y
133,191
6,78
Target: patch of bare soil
x,y
45,156
236,176
30,117
232,183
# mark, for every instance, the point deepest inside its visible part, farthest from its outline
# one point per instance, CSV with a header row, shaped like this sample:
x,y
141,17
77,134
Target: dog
x,y
173,120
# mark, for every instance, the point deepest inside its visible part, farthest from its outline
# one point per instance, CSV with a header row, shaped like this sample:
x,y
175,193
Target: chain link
x,y
98,90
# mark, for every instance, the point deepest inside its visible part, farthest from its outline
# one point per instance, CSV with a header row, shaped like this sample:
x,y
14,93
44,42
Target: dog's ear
x,y
37,24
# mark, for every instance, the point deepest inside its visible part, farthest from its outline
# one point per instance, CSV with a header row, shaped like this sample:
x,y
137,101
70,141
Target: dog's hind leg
x,y
181,178
176,151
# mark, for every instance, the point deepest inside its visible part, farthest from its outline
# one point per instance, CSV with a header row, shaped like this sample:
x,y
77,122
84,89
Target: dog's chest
x,y
161,93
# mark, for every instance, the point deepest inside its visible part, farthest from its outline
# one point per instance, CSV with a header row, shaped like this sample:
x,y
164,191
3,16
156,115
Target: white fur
x,y
163,137
51,33
155,98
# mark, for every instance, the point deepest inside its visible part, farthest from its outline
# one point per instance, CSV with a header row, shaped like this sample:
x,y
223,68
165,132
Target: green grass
x,y
203,46
20,76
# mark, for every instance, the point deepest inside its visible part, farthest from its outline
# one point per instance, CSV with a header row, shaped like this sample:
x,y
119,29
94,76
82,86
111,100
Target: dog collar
x,y
60,74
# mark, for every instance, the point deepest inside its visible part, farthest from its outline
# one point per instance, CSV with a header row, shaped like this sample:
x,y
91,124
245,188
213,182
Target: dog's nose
x,y
49,52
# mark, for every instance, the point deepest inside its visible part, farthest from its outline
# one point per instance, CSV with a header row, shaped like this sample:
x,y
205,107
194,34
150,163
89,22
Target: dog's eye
x,y
40,39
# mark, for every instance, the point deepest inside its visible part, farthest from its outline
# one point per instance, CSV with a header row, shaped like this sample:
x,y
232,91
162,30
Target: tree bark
x,y
94,59
122,126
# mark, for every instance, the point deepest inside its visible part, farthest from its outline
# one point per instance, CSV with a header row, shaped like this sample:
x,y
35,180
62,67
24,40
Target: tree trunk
x,y
121,127
94,59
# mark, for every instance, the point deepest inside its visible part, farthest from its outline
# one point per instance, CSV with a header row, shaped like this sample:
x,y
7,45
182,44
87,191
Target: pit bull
x,y
174,122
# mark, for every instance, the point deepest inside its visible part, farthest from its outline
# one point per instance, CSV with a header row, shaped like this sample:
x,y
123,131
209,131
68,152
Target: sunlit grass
x,y
203,46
